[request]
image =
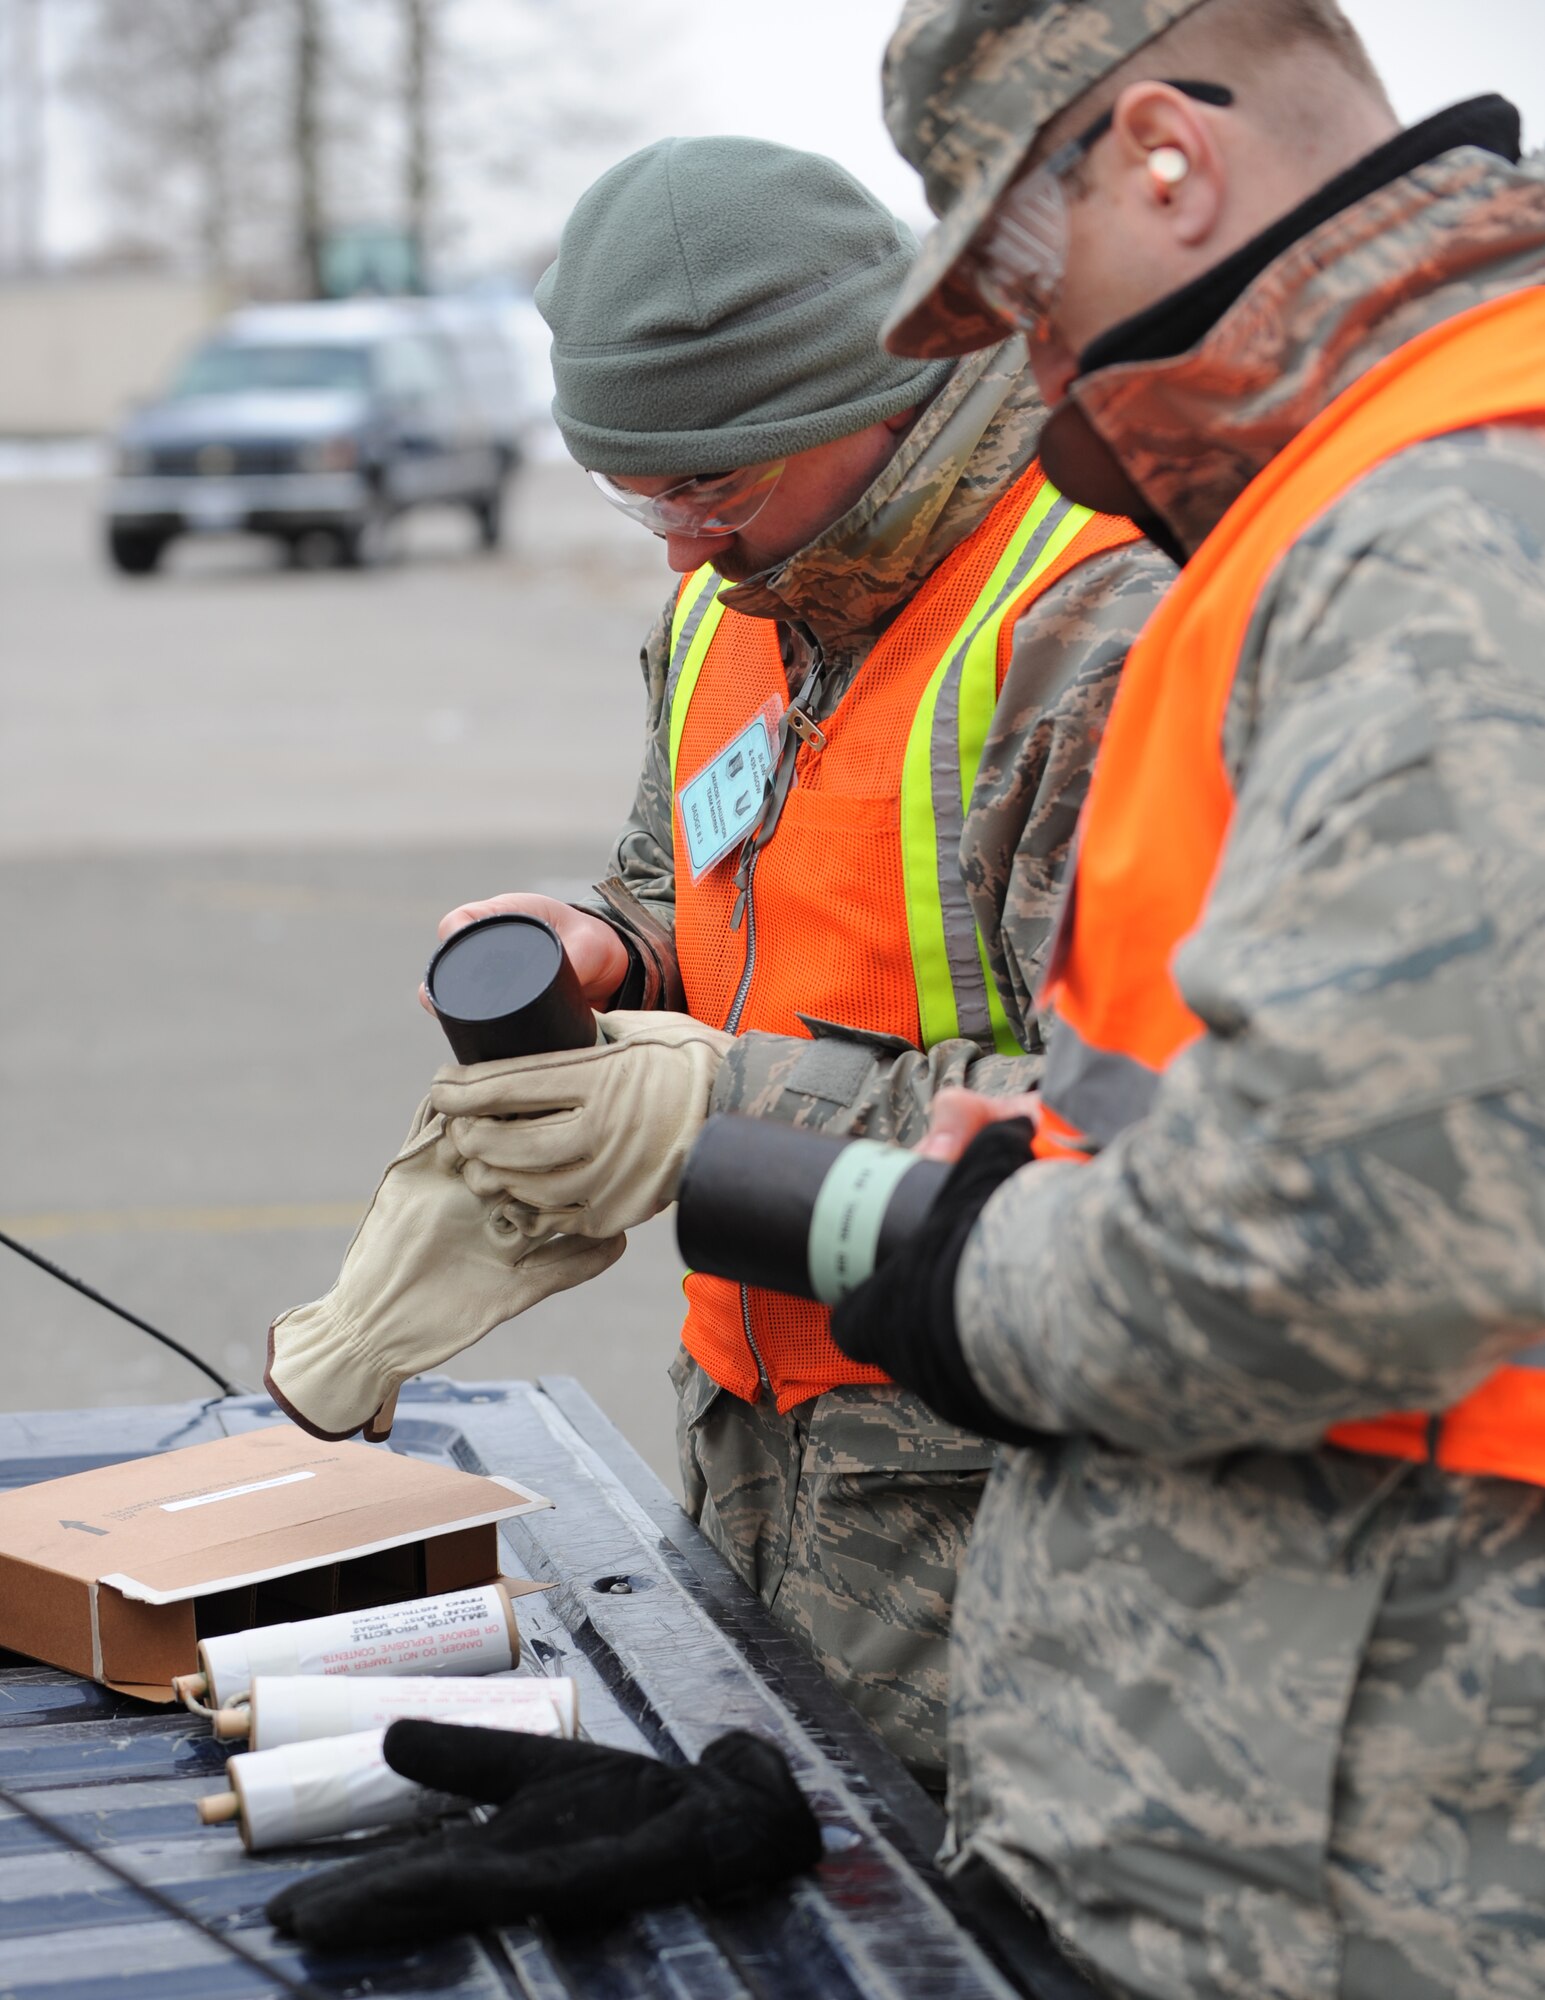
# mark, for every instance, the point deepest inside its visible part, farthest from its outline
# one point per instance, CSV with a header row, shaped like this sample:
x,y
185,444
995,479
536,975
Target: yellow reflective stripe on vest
x,y
956,994
696,619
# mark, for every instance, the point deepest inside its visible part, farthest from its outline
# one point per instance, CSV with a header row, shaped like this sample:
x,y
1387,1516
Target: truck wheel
x,y
312,548
488,512
365,545
135,551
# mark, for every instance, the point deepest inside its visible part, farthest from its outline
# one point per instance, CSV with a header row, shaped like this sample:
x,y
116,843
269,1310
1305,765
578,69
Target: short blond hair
x,y
1229,42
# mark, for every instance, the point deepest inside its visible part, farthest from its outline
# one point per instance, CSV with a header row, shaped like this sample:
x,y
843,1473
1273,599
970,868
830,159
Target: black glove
x,y
903,1318
582,1835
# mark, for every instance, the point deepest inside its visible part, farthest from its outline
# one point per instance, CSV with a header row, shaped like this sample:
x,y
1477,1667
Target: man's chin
x,y
1055,372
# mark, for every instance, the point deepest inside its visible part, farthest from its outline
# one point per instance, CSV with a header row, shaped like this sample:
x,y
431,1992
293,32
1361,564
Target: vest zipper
x,y
802,731
763,1380
731,1025
738,1004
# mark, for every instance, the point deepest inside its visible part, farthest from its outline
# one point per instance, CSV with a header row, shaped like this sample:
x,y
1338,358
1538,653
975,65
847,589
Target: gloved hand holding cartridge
x,y
432,1268
588,1141
583,1835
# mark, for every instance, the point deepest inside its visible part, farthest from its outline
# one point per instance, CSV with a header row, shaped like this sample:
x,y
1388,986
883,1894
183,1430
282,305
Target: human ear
x,y
1166,146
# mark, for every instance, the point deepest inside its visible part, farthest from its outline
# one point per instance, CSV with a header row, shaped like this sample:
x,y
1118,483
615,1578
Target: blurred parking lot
x,y
234,800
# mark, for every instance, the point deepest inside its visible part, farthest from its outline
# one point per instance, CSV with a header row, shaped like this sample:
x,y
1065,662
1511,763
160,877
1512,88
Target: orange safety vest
x,y
1160,801
858,913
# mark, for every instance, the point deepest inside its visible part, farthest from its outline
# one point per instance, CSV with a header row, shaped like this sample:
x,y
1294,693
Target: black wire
x,y
302,1989
88,1291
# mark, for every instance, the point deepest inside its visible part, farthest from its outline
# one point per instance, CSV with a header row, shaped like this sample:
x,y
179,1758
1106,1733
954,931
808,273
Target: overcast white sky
x,y
807,72
757,70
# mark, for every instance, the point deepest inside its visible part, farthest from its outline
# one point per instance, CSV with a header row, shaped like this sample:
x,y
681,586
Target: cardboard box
x,y
118,1573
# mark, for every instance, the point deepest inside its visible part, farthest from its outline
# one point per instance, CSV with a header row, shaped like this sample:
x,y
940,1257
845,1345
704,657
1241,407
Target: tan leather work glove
x,y
431,1269
590,1141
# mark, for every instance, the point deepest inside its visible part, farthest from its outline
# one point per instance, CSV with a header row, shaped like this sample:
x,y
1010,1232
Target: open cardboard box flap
x,y
111,1572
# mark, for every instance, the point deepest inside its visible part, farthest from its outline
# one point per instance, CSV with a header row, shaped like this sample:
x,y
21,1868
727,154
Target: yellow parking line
x,y
184,1221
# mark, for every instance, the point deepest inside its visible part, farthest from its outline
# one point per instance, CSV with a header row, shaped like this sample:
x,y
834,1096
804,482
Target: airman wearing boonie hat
x,y
968,89
1247,1688
872,698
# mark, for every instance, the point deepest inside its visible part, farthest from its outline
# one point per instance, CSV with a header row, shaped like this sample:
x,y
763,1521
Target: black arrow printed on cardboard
x,y
85,1527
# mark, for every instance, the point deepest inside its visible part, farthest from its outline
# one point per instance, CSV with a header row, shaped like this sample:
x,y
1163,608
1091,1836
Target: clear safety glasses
x,y
714,503
1016,263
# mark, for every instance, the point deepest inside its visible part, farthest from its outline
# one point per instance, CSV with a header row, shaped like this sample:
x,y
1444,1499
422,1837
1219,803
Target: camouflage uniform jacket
x,y
841,591
1243,1715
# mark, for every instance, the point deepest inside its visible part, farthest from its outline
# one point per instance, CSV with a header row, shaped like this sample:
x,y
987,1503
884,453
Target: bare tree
x,y
216,130
21,134
546,93
306,141
236,135
161,75
419,25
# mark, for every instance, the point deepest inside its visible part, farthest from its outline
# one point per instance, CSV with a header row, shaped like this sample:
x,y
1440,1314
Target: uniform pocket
x,y
886,1432
886,1506
696,1390
696,1394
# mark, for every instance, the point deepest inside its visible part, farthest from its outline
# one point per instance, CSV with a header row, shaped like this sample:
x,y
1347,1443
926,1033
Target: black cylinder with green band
x,y
794,1211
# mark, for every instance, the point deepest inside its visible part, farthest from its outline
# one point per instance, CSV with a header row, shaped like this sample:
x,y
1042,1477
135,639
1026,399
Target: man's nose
x,y
686,553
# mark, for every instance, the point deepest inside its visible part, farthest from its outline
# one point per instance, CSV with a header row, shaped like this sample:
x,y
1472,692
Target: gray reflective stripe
x,y
686,632
1097,1093
848,1215
949,804
1528,1357
971,1009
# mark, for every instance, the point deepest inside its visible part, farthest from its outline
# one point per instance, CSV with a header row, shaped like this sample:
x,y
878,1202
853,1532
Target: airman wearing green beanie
x,y
872,698
714,303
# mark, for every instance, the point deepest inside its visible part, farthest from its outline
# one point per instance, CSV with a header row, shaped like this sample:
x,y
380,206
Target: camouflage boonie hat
x,y
968,86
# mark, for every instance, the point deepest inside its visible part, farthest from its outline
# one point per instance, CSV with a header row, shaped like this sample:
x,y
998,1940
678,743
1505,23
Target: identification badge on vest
x,y
720,806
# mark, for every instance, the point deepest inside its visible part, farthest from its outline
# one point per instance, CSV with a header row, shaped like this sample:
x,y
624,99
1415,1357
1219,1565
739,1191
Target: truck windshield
x,y
231,368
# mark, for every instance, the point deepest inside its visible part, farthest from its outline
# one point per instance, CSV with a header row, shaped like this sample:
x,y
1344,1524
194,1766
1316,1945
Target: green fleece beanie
x,y
718,302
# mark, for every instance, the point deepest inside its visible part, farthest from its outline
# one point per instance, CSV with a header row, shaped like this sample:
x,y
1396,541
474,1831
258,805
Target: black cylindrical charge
x,y
794,1211
504,987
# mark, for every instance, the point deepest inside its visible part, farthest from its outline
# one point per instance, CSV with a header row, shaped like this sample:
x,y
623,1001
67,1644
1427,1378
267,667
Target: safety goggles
x,y
714,503
1016,263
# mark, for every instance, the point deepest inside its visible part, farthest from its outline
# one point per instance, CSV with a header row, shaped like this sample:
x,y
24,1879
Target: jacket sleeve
x,y
637,893
1067,654
1334,1205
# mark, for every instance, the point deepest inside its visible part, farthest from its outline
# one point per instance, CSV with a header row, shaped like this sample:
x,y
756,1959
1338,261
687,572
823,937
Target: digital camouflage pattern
x,y
842,591
849,1515
1244,1716
968,85
848,1518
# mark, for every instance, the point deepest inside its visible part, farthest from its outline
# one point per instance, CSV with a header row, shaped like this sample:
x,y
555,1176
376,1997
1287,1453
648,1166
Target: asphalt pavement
x,y
234,800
